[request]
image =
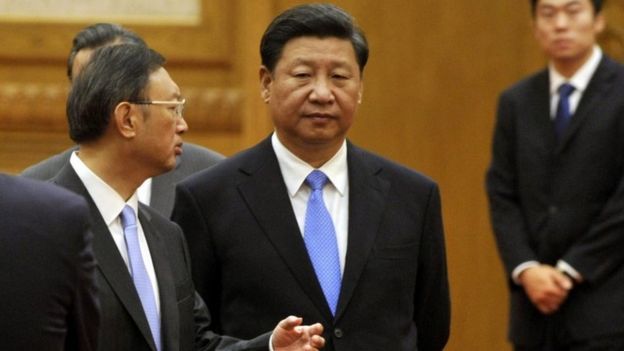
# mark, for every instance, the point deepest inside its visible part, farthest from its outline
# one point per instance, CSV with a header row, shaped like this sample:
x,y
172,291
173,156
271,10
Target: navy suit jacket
x,y
185,318
193,159
552,200
47,269
251,266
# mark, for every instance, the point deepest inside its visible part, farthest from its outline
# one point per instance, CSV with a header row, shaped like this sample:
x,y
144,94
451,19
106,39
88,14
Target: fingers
x,y
315,343
315,329
562,280
290,322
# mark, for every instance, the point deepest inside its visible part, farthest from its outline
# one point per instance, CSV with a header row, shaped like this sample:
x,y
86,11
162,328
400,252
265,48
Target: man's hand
x,y
290,335
546,287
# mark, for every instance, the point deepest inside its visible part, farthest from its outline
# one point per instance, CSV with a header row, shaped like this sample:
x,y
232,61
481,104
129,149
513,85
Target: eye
x,y
546,12
574,9
301,75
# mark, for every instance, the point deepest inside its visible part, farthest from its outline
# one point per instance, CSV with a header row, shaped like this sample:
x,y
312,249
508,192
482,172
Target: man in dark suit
x,y
125,112
364,254
158,192
47,275
556,188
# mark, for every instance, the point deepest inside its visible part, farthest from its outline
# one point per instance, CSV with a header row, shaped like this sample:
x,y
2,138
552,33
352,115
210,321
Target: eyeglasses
x,y
179,105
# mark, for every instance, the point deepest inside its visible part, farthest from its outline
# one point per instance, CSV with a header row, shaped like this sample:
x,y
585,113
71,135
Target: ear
x,y
126,117
599,23
360,92
266,82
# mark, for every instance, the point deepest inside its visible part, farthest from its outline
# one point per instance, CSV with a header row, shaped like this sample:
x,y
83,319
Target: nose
x,y
322,92
561,20
181,125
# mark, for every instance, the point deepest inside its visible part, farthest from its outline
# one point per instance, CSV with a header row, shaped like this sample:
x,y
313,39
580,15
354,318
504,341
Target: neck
x,y
107,163
568,68
314,155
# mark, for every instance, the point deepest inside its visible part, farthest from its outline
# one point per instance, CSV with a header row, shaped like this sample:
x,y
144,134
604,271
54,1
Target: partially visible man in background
x,y
47,269
556,188
158,192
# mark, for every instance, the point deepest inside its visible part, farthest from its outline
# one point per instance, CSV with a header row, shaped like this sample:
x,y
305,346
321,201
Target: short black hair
x,y
596,3
316,20
98,35
114,74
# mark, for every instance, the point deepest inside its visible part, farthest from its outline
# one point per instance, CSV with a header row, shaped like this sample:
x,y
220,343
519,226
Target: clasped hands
x,y
546,287
290,335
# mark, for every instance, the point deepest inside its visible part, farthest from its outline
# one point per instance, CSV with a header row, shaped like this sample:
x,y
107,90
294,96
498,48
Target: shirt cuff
x,y
271,343
564,267
515,274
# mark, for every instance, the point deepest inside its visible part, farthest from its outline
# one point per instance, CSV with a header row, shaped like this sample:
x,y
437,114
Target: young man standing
x,y
556,187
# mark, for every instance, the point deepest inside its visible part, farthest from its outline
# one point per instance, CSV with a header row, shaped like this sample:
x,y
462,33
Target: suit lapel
x,y
367,200
536,110
596,90
109,260
170,328
266,195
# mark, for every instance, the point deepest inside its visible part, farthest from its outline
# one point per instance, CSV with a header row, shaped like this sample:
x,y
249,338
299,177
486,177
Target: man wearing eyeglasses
x,y
125,112
158,192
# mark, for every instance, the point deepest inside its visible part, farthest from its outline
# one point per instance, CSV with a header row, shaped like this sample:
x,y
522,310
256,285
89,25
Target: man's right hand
x,y
546,287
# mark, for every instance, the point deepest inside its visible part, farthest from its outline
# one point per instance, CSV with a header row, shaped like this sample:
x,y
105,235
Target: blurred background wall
x,y
431,85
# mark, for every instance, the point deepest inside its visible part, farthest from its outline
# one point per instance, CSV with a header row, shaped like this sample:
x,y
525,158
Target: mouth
x,y
318,116
178,149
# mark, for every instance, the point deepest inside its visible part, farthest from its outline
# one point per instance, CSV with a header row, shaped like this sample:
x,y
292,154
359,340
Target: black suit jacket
x,y
47,269
185,318
564,200
251,266
193,159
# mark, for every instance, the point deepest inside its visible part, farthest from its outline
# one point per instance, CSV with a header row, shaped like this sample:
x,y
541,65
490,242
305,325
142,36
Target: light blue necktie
x,y
139,273
563,115
320,240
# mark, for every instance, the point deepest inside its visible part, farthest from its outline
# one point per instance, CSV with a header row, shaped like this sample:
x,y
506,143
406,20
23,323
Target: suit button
x,y
338,333
552,209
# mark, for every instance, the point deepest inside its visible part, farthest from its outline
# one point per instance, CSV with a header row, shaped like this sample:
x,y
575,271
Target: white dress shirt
x,y
580,81
110,204
335,193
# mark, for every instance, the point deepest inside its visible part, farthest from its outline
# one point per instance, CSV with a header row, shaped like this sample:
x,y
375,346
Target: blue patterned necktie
x,y
139,273
320,240
562,116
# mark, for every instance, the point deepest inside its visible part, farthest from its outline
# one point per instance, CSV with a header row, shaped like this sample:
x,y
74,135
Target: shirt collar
x,y
295,170
581,78
106,199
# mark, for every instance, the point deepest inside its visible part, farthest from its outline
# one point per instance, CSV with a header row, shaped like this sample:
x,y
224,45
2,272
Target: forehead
x,y
315,49
161,86
558,3
80,60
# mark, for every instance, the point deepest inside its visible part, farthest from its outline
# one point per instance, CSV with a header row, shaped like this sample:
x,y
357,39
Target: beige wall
x,y
431,85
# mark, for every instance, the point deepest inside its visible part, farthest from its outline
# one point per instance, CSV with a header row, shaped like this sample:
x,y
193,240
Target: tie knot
x,y
128,218
316,179
565,89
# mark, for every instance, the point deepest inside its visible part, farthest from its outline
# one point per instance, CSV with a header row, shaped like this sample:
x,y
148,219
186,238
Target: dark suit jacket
x,y
47,269
554,200
251,266
194,158
185,319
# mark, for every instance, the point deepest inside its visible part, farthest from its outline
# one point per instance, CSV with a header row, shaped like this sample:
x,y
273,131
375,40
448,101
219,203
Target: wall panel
x,y
435,71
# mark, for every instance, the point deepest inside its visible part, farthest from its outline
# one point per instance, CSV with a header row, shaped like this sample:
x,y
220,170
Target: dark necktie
x,y
139,273
320,240
563,115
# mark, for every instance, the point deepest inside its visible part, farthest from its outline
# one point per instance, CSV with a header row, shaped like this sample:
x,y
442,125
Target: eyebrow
x,y
307,62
